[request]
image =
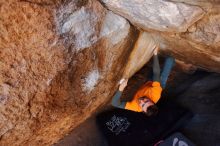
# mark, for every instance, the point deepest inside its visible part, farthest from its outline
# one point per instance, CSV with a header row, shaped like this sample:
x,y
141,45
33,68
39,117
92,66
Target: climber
x,y
147,95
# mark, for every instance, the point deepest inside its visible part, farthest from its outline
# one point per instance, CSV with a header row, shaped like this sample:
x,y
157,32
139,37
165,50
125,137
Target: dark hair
x,y
152,110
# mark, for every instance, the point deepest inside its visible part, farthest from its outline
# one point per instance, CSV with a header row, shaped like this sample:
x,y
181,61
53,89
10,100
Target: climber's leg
x,y
169,62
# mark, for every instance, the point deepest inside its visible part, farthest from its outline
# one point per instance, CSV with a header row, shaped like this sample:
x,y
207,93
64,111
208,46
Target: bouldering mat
x,y
128,128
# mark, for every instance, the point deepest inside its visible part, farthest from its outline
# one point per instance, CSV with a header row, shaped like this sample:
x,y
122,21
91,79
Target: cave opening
x,y
195,90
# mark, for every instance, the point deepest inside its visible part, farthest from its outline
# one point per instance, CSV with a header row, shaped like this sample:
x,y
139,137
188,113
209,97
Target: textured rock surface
x,y
199,45
60,60
58,64
194,41
157,14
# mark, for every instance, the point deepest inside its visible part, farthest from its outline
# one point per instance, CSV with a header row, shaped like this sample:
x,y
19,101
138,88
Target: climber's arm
x,y
156,66
116,102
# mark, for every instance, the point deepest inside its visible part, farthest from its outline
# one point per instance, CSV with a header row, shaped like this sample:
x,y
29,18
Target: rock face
x,y
157,14
59,61
189,31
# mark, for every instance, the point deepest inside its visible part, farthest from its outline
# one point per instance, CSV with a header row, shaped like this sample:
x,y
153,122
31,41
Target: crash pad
x,y
128,128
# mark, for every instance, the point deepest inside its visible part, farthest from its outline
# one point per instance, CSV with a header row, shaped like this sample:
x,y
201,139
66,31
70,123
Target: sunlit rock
x,y
206,31
187,30
157,14
59,61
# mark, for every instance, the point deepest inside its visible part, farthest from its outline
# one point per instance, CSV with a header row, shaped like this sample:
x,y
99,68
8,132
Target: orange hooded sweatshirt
x,y
150,89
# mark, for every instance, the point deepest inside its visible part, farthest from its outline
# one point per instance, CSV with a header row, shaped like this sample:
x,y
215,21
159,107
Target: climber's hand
x,y
156,50
123,84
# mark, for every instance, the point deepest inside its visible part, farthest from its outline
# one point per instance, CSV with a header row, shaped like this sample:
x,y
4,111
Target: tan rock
x,y
140,55
188,30
156,14
199,54
59,62
207,30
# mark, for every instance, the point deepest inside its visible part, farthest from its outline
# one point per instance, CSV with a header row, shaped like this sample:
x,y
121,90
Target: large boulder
x,y
189,30
157,14
59,61
199,45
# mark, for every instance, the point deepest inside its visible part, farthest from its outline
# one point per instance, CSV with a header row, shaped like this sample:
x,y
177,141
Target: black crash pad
x,y
126,128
